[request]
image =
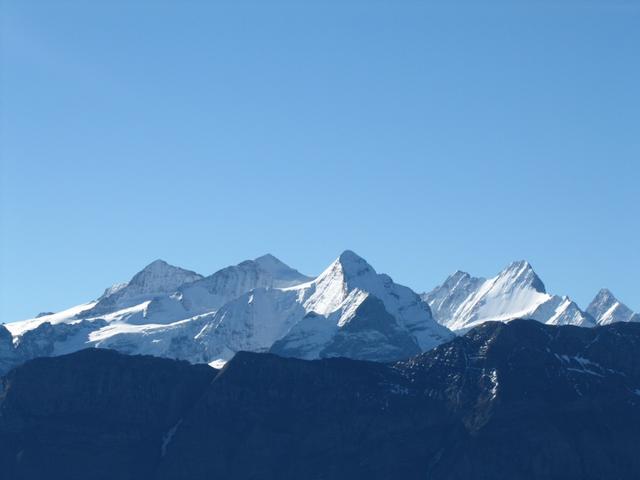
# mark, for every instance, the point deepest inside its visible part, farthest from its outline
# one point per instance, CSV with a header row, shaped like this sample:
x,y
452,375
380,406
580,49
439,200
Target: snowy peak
x,y
520,274
155,280
161,277
332,287
227,284
456,278
463,301
353,263
283,273
604,295
562,311
333,301
115,288
348,266
445,299
606,309
356,271
271,263
515,292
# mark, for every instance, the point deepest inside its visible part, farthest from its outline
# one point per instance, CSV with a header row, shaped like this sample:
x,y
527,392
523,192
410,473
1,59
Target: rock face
x,y
8,356
463,301
518,400
96,414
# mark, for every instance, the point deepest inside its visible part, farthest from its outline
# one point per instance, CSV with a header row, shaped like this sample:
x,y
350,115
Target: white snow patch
x,y
65,316
218,363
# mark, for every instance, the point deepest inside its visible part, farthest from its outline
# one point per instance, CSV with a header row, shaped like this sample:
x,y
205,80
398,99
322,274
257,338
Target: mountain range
x,y
263,305
464,301
505,400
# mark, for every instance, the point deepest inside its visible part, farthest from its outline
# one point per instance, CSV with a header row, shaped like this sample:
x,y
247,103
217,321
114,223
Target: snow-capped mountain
x,y
155,280
159,311
263,305
463,301
605,308
349,310
354,311
174,294
561,311
257,305
211,293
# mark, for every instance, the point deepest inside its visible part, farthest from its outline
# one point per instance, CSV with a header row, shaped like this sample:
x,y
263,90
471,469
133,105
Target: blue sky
x,y
426,136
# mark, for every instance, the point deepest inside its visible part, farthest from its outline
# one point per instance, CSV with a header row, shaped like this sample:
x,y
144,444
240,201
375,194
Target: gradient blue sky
x,y
426,136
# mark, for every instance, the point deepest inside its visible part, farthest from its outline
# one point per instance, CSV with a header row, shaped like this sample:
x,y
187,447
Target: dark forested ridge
x,y
519,400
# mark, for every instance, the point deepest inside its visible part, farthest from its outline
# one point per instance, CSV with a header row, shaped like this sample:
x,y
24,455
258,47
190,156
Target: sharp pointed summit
x,y
521,273
606,309
335,305
350,268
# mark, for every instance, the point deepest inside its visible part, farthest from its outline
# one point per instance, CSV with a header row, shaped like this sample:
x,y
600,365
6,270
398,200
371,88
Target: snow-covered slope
x,y
606,308
463,301
65,316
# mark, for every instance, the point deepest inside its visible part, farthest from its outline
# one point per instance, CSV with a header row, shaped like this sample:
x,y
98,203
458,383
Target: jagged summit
x,y
352,263
521,272
349,267
606,308
457,275
463,301
341,302
604,293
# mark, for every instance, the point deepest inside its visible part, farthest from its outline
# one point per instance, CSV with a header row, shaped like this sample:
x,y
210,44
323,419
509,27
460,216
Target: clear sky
x,y
426,136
